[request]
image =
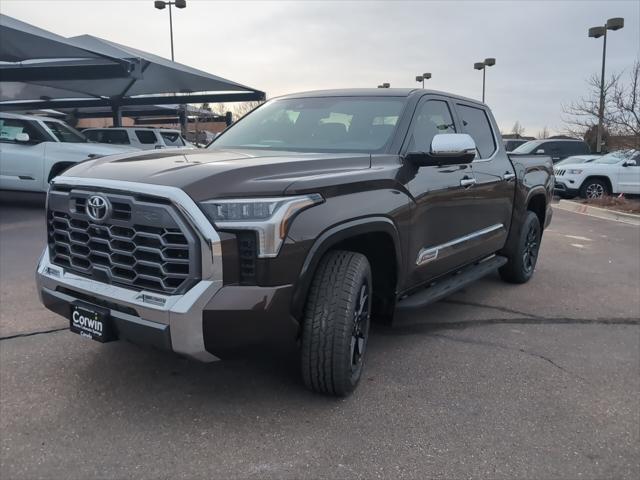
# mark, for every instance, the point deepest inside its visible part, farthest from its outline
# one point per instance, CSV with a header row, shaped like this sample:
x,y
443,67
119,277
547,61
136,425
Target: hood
x,y
206,174
96,148
581,166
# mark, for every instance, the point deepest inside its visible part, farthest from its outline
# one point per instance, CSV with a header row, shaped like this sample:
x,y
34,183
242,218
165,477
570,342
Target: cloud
x,y
542,50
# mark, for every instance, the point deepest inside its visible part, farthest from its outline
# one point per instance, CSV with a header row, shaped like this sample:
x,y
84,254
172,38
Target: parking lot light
x,y
488,62
161,5
422,78
614,24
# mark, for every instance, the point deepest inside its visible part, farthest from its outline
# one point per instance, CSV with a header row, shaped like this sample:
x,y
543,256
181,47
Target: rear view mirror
x,y
446,149
630,163
22,137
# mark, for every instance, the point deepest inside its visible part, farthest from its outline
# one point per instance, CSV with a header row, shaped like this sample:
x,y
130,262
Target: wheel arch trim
x,y
334,235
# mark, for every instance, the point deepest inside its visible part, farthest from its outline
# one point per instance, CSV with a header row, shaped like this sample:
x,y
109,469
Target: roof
x,y
109,74
376,92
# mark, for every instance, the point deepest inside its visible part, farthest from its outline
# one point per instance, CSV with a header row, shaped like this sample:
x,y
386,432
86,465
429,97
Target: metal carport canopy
x,y
153,81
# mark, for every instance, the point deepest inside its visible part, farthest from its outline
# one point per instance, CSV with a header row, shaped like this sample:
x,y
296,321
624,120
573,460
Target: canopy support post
x,y
116,115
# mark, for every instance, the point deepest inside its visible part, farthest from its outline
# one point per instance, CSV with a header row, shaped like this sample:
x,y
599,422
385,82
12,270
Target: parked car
x,y
617,172
139,137
578,159
35,149
311,215
513,143
557,149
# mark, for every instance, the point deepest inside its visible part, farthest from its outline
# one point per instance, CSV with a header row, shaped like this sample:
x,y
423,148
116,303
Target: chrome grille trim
x,y
144,244
183,313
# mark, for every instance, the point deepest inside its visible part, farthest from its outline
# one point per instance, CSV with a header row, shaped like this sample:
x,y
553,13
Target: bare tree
x,y
544,133
242,108
517,129
625,120
582,114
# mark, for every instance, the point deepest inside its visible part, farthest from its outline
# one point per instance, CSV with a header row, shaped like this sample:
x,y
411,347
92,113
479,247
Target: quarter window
x,y
432,118
172,139
476,123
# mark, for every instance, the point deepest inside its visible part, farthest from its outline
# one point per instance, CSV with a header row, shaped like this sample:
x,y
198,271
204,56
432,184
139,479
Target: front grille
x,y
144,244
558,172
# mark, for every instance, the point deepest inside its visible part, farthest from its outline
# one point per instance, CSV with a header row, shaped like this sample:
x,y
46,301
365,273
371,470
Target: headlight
x,y
269,217
574,171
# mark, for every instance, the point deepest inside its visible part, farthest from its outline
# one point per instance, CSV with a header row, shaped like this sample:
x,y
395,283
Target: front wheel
x,y
594,188
521,264
336,323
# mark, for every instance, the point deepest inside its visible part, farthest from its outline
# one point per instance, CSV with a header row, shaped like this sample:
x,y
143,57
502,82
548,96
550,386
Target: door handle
x,y
467,182
508,176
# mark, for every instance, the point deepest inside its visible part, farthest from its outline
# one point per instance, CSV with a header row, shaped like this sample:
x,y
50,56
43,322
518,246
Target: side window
x,y
93,135
116,137
147,137
10,127
476,123
431,118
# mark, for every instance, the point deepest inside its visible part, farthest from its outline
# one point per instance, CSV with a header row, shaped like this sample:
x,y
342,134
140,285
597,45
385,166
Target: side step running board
x,y
451,284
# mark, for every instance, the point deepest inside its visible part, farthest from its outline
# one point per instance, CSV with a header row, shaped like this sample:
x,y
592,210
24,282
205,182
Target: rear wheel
x,y
521,264
594,188
336,323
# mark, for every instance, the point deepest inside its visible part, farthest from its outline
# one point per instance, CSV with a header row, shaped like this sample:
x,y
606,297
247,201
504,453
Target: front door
x,y
442,197
21,163
629,175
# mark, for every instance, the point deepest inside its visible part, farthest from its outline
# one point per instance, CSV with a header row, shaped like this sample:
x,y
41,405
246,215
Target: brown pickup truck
x,y
303,222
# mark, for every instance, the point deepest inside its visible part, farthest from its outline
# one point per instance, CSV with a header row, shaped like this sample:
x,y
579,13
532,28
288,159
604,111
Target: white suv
x,y
617,172
139,137
35,149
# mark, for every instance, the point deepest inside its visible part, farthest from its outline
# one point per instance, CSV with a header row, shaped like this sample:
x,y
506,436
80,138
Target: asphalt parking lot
x,y
540,381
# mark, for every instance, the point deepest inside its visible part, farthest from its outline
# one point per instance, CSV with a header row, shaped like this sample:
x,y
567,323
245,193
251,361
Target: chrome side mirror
x,y
446,149
22,138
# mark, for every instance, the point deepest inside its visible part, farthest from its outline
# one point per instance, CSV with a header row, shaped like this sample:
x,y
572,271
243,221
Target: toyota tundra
x,y
308,219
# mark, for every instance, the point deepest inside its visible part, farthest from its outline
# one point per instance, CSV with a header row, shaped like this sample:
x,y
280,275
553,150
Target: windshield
x,y
327,124
64,133
616,157
527,147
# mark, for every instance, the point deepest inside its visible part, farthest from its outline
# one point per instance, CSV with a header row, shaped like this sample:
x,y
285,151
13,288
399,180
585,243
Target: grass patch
x,y
624,204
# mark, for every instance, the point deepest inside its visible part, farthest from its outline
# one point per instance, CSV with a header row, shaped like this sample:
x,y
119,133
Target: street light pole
x,y
161,5
171,31
597,32
488,62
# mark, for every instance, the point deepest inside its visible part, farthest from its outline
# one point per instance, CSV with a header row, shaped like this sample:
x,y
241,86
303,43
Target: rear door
x,y
442,202
488,214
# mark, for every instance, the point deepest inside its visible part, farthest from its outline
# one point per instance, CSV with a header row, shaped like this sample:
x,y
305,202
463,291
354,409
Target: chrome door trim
x,y
429,254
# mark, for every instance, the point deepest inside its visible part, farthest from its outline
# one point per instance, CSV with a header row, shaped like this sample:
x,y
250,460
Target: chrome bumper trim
x,y
183,313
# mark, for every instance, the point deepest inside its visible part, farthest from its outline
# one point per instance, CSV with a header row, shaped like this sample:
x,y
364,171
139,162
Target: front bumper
x,y
205,323
176,322
562,188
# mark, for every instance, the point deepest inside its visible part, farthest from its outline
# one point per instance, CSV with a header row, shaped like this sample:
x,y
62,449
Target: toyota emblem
x,y
98,208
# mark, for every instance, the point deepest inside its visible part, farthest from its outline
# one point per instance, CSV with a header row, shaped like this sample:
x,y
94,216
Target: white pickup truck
x,y
35,149
614,173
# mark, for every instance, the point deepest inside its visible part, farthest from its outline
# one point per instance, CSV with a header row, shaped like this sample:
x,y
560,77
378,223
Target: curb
x,y
584,209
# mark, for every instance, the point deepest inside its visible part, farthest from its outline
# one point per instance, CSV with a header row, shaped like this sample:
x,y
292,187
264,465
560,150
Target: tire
x,y
594,188
521,265
336,323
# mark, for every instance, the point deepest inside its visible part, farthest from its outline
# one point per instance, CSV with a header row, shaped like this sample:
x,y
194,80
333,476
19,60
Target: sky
x,y
543,55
